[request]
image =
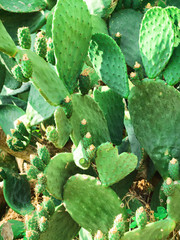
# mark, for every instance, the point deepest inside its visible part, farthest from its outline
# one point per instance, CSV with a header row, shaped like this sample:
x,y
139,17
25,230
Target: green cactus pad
x,y
173,203
32,172
38,163
22,6
127,22
45,78
154,55
9,114
84,107
60,168
31,222
32,235
98,25
109,63
71,36
154,127
17,194
174,14
62,225
6,43
113,108
44,154
91,211
101,8
37,109
113,167
157,231
49,205
172,71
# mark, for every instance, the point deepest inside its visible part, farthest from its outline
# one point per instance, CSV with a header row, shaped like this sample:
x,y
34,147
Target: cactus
x,y
24,37
173,169
18,75
141,217
26,66
41,45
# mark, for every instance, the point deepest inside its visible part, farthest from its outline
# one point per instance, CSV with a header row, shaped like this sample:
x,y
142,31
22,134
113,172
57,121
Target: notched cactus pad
x,y
90,204
109,63
61,226
152,105
156,40
71,36
23,6
113,167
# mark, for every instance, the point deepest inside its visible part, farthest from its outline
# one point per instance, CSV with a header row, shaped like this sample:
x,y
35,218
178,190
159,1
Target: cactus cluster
x,y
96,118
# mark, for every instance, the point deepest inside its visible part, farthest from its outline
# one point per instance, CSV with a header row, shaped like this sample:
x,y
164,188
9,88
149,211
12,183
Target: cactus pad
x,y
71,36
84,107
127,22
154,127
60,168
157,231
156,40
22,6
172,71
45,78
109,63
113,167
17,194
62,225
113,108
90,210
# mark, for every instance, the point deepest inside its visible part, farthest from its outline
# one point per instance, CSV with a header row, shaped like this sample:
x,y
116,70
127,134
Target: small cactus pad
x,y
60,168
6,43
127,23
44,154
172,71
102,9
109,63
95,211
71,36
156,32
45,78
113,108
154,127
173,203
17,194
24,37
17,6
168,187
141,217
157,231
113,167
84,107
62,225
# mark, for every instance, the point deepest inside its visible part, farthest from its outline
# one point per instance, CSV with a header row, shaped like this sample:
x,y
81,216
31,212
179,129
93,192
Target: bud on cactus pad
x,y
40,44
43,224
31,222
67,106
168,187
26,66
141,217
32,235
173,169
24,37
44,155
48,204
113,234
18,75
83,127
99,235
50,52
37,162
84,84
